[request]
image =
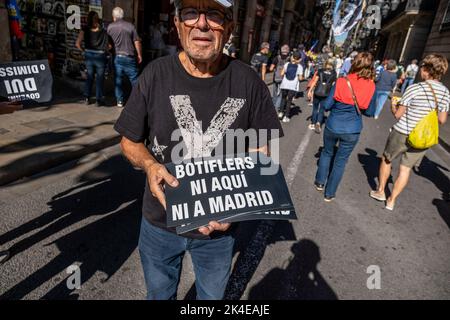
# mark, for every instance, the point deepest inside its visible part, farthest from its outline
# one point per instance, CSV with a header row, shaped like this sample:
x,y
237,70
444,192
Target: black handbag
x,y
323,88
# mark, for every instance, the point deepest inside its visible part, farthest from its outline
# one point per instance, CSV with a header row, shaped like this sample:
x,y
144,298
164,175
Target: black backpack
x,y
323,87
291,71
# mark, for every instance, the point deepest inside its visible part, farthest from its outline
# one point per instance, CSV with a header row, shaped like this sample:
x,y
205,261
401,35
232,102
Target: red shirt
x,y
363,89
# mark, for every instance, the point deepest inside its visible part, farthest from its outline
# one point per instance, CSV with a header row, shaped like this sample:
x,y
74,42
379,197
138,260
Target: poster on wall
x,y
26,81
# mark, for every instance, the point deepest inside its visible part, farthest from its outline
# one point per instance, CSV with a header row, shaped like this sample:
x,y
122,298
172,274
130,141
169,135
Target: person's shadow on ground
x,y
252,238
434,172
103,245
371,164
300,280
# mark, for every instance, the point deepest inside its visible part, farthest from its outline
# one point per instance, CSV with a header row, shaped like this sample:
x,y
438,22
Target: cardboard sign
x,y
226,190
26,80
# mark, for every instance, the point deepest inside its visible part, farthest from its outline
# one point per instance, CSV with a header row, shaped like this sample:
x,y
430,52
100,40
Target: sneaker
x,y
87,101
120,104
99,103
328,199
280,115
311,127
286,119
317,128
319,187
376,117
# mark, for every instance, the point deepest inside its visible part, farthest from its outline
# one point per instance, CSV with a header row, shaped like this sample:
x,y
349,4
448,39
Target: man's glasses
x,y
215,18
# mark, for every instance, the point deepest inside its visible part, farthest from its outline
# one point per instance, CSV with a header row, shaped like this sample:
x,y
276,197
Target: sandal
x,y
380,197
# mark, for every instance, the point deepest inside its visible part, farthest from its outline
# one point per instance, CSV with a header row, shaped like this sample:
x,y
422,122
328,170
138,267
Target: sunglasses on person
x,y
214,18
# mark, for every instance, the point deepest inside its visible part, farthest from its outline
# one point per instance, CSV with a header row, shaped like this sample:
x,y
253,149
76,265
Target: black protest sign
x,y
227,189
26,80
283,214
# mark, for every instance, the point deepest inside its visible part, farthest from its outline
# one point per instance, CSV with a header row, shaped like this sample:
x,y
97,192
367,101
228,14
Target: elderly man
x,y
127,44
196,90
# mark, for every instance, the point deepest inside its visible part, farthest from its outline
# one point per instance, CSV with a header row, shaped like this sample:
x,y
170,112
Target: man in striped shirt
x,y
418,101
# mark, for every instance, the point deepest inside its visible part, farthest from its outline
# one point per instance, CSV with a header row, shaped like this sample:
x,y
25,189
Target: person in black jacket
x,y
319,92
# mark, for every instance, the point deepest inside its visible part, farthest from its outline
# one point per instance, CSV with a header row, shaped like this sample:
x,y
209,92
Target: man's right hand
x,y
310,95
157,175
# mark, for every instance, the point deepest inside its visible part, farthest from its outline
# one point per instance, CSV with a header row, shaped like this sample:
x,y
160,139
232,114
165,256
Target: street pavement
x,y
87,213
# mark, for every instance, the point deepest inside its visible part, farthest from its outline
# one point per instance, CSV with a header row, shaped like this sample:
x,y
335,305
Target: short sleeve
x,y
262,111
408,97
133,121
135,35
444,104
265,59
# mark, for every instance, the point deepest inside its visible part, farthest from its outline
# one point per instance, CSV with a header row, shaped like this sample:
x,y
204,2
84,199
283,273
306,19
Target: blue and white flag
x,y
343,24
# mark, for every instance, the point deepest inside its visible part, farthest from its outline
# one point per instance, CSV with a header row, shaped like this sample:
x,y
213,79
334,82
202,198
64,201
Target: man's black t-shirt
x,y
167,98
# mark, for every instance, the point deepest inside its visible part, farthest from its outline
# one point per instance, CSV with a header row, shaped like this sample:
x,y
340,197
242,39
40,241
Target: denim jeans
x,y
276,95
96,65
381,99
406,84
318,110
331,178
124,66
162,254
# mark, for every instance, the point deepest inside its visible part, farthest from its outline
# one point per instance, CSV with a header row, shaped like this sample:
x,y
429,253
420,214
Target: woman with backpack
x,y
278,65
292,75
425,101
318,92
347,98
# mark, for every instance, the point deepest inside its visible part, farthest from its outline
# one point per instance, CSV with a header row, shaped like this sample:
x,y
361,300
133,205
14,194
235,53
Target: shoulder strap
x,y
434,95
353,95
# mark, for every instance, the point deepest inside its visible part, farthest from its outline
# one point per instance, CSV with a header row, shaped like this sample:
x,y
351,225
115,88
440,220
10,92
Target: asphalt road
x,y
87,213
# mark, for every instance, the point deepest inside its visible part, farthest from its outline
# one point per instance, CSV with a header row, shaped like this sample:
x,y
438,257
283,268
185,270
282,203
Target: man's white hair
x,y
118,13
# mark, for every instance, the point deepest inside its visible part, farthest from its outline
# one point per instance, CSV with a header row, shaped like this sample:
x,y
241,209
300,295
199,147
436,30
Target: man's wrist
x,y
148,164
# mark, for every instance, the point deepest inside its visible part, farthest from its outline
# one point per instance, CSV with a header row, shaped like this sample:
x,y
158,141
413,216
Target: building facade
x,y
439,36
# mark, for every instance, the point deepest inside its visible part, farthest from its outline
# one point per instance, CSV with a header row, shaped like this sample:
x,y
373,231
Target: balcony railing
x,y
410,6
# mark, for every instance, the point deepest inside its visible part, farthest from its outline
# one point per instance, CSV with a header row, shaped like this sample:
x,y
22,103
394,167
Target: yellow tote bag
x,y
426,132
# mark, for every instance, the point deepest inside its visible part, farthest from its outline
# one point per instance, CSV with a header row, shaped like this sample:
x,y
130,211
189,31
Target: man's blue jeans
x,y
124,66
318,110
276,95
381,100
406,84
346,143
95,64
162,255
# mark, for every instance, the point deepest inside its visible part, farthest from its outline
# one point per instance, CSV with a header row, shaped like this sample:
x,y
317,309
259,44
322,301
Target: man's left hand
x,y
214,226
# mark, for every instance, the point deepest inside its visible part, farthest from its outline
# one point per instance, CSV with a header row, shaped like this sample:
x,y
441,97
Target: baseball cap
x,y
225,3
265,45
